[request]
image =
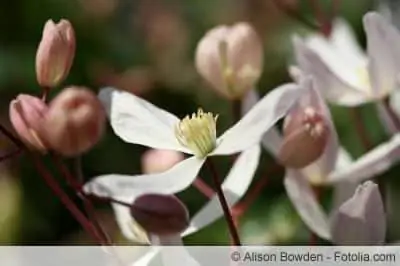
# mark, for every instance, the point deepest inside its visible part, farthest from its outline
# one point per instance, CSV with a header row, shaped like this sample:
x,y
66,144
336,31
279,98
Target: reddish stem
x,y
228,216
360,128
68,203
11,154
76,184
202,186
294,14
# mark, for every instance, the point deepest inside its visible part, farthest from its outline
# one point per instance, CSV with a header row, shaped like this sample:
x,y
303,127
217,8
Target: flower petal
x,y
250,129
139,122
373,163
383,55
303,199
334,88
271,140
176,179
234,187
385,118
129,227
361,219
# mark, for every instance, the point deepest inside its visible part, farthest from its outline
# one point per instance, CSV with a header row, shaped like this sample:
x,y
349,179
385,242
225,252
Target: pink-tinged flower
x,y
333,168
343,72
230,59
74,122
26,116
55,53
361,219
157,161
139,122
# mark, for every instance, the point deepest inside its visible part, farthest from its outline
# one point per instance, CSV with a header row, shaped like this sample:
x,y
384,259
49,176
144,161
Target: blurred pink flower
x,y
157,161
230,59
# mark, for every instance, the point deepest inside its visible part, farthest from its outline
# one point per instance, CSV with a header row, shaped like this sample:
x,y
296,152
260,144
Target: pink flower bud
x,y
74,122
26,116
305,138
160,214
157,161
230,59
55,53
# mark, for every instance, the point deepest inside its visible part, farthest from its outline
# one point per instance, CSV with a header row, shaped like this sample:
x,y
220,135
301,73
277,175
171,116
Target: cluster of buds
x,y
75,119
71,124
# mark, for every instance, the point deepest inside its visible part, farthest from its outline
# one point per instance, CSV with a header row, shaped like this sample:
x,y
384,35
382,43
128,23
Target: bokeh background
x,y
147,47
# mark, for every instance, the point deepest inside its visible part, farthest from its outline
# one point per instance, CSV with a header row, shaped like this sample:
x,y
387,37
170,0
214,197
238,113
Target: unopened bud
x,y
55,53
305,137
160,214
74,122
26,116
157,161
230,59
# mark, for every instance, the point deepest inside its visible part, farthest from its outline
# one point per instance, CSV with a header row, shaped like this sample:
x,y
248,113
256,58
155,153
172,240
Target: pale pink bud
x,y
55,53
305,137
230,59
157,161
74,122
26,116
160,214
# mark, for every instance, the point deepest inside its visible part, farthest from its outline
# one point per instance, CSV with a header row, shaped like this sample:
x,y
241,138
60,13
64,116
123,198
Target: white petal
x,y
343,159
129,227
394,101
250,129
342,191
234,186
344,39
327,161
373,163
383,55
271,140
176,254
303,199
139,122
385,118
334,88
176,179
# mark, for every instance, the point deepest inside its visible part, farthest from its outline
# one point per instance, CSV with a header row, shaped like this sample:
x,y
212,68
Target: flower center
x,y
198,133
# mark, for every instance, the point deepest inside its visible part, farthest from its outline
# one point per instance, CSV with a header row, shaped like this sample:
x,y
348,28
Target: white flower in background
x,y
334,167
137,121
230,59
344,73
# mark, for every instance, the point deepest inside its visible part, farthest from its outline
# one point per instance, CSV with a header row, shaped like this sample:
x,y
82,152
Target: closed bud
x,y
157,161
230,59
55,53
74,122
26,116
305,137
160,214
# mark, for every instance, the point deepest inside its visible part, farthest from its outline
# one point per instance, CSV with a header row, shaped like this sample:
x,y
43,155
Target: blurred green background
x,y
147,47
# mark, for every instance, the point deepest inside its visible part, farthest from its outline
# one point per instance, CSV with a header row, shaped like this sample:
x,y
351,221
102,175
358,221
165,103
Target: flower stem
x,y
76,184
205,189
54,186
393,116
10,154
295,14
360,128
68,203
228,216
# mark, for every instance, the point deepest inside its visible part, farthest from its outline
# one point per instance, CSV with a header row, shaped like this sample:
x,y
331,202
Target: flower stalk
x,y
227,213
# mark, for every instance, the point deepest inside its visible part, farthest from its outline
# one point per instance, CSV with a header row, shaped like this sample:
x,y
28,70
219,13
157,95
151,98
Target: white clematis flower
x,y
344,73
335,167
139,122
